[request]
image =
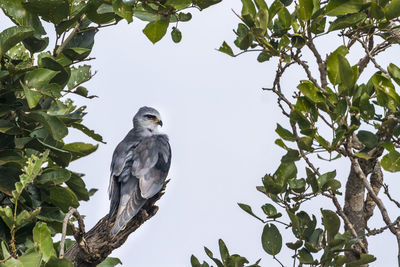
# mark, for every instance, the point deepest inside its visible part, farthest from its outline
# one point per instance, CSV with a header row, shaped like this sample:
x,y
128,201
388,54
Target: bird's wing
x,y
141,177
120,170
151,162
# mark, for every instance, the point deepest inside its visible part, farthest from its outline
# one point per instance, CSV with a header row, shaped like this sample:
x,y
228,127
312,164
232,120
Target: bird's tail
x,y
128,208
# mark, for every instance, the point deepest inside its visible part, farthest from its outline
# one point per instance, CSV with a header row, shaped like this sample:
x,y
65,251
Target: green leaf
x,y
79,75
369,139
202,4
284,134
284,18
42,236
178,4
223,250
12,36
194,261
79,149
25,217
20,16
333,64
77,185
385,86
309,90
345,73
157,29
176,35
263,56
122,10
7,215
305,9
248,8
305,257
50,10
295,245
270,211
56,262
394,72
364,259
345,21
225,48
392,10
331,222
324,178
248,209
63,198
88,132
271,239
31,258
54,125
110,262
343,7
391,161
54,176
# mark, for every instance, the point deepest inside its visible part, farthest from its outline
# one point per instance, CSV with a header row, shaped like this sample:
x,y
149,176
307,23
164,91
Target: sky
x,y
221,128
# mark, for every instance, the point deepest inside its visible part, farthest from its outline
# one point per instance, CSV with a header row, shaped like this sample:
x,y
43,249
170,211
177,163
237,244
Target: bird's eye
x,y
150,117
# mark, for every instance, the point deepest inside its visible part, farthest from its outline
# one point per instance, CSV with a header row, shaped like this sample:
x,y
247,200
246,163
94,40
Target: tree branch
x,y
99,242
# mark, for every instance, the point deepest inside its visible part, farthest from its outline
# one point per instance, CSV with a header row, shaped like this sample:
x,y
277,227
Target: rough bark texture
x,y
97,243
354,210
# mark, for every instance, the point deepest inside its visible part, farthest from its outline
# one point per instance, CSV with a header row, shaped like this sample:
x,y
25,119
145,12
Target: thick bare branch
x,y
99,242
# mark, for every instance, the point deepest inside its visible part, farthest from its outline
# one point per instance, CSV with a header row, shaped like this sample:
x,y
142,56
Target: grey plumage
x,y
139,167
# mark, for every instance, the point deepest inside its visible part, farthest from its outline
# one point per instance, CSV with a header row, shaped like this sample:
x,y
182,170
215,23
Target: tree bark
x,y
95,245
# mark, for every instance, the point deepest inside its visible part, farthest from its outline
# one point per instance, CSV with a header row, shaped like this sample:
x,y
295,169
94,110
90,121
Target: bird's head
x,y
147,119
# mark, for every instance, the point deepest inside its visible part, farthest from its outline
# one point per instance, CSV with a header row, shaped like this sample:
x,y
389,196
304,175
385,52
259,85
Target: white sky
x,y
221,128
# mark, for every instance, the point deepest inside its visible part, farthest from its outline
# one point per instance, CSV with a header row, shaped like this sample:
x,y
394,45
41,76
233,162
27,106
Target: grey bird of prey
x,y
139,167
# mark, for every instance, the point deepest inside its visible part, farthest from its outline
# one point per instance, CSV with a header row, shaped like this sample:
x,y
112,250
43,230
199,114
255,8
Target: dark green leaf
x,y
79,149
56,262
392,10
53,125
12,36
369,139
225,48
248,209
346,21
331,223
324,178
77,185
345,73
202,4
53,176
309,90
284,134
157,29
110,262
79,75
364,259
63,198
263,56
271,239
343,7
194,261
223,250
305,256
50,10
176,35
20,16
178,4
284,17
25,217
270,211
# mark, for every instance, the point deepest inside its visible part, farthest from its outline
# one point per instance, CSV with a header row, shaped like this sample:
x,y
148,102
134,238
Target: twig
x,y
69,38
321,64
380,230
275,258
6,259
64,231
386,188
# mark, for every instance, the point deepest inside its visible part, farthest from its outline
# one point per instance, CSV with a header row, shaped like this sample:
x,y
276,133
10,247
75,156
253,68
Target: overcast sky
x,y
221,128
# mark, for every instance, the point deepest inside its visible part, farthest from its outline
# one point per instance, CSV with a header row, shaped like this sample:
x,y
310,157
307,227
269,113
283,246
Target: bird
x,y
139,167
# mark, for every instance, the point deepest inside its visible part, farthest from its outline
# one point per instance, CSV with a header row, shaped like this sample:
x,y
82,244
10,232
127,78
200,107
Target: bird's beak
x,y
159,122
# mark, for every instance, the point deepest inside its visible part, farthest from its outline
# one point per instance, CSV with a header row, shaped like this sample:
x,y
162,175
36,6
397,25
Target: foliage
x,y
338,114
36,188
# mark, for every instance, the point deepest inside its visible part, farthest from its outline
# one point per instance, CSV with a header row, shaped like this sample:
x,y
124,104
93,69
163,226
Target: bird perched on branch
x,y
139,167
